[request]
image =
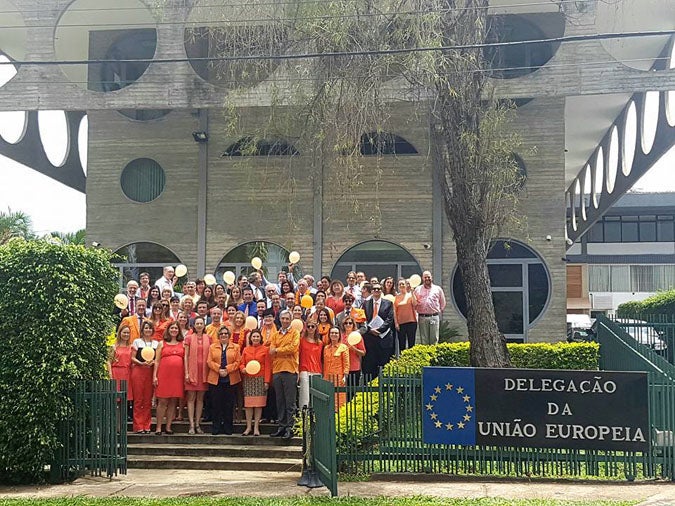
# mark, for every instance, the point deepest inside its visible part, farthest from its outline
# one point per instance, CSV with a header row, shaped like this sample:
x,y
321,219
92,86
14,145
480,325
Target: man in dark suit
x,y
377,335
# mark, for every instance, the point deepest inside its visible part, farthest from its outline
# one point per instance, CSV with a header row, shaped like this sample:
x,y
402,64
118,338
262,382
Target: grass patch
x,y
300,501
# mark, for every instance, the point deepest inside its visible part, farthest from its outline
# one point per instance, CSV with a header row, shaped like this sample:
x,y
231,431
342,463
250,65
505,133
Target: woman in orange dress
x,y
336,364
196,346
160,320
356,352
141,377
322,318
334,300
168,376
311,350
255,385
238,332
119,364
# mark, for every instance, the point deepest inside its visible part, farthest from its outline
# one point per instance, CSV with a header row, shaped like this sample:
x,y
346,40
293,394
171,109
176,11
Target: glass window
x,y
505,275
250,146
143,180
537,289
376,258
382,143
143,257
509,312
612,229
647,230
596,233
665,232
274,259
629,229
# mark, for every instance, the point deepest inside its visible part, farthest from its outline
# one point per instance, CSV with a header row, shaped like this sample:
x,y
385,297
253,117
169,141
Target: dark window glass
x,y
143,180
506,275
374,143
629,231
505,249
537,289
612,230
509,312
376,258
249,146
647,231
274,259
595,234
665,231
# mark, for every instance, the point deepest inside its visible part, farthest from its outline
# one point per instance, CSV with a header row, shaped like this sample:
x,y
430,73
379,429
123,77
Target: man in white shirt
x,y
166,281
430,305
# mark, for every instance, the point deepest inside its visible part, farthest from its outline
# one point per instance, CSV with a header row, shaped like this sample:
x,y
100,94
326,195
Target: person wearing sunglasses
x,y
378,337
311,348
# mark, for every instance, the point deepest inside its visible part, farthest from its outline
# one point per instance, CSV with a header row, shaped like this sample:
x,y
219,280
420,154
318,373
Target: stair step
x,y
198,440
230,450
212,463
183,426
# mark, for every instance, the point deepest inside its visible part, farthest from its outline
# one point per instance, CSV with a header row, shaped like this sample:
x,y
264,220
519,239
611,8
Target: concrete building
x,y
159,121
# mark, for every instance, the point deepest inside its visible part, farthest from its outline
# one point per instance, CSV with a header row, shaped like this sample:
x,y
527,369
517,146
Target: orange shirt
x,y
212,330
260,353
335,368
310,356
403,309
287,347
233,363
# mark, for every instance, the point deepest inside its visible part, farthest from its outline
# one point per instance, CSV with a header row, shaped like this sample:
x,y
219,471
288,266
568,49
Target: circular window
x,y
521,287
143,180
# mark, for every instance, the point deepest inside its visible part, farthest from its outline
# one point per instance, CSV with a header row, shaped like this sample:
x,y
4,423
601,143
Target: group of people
x,y
256,343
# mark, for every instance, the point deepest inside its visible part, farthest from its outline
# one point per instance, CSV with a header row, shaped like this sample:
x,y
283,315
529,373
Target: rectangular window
x,y
596,234
629,229
612,229
647,229
664,229
506,275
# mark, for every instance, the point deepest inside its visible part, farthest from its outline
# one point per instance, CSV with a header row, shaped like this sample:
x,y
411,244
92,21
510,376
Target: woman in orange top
x,y
224,361
311,349
255,385
196,353
405,316
334,300
336,364
238,332
160,320
324,325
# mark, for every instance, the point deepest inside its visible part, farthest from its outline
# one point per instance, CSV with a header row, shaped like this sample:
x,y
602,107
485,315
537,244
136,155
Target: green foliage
x,y
447,333
15,224
629,309
56,307
357,421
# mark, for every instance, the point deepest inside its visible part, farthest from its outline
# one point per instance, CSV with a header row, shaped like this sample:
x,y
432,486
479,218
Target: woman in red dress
x,y
196,346
255,385
160,320
168,376
334,300
141,378
119,364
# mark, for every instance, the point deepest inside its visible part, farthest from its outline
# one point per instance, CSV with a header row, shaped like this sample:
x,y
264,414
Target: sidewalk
x,y
169,483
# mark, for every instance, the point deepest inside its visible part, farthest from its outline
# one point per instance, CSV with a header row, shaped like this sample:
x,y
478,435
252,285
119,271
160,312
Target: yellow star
x,y
469,409
437,390
433,416
449,426
448,386
460,425
434,397
467,417
466,398
460,390
438,424
429,407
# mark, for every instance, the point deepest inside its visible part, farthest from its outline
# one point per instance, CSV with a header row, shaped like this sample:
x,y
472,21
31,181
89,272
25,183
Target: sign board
x,y
539,408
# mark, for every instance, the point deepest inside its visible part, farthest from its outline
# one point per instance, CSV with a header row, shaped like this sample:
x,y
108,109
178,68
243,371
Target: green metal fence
x,y
94,438
322,436
380,429
656,331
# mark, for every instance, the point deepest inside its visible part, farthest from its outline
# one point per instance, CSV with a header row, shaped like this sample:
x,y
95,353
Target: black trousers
x,y
406,335
222,405
286,390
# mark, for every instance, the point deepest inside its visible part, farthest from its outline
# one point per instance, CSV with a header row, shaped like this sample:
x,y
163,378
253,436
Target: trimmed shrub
x,y
629,309
660,303
57,311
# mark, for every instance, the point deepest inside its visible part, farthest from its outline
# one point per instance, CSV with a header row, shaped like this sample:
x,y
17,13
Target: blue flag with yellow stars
x,y
449,405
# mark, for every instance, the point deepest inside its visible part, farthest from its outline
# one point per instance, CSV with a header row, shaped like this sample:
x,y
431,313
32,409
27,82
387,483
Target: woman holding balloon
x,y
143,361
224,359
256,369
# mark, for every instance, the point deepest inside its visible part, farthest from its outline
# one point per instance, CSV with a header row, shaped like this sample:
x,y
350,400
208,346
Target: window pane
x,y
505,249
377,258
274,259
596,233
612,231
629,231
509,311
506,275
537,289
647,231
665,229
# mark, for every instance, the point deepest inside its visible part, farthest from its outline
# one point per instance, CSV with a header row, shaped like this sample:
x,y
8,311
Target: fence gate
x,y
322,399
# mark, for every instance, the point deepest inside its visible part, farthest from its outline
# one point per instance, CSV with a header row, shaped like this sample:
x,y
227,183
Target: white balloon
x,y
294,257
210,279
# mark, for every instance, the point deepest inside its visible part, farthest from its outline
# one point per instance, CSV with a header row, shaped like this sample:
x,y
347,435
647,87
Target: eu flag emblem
x,y
449,405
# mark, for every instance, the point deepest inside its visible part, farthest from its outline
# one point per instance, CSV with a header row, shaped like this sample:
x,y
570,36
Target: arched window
x,y
383,143
273,256
521,288
143,257
137,44
250,146
376,258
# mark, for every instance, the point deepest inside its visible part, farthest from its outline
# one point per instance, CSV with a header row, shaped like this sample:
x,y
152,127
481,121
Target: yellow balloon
x,y
210,279
251,322
253,367
181,270
228,277
256,262
354,338
121,301
147,353
306,301
294,257
415,280
297,325
390,298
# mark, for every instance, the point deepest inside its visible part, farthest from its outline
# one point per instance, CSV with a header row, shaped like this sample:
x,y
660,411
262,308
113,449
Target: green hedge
x,y
657,304
358,420
56,307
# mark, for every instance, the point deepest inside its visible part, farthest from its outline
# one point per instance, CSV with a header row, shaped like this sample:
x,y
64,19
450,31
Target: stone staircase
x,y
204,451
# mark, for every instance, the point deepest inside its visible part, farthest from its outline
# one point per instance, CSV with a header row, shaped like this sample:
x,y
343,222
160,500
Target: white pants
x,y
304,388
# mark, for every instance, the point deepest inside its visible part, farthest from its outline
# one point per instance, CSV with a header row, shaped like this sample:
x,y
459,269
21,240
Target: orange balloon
x,y
147,353
253,367
297,325
354,338
306,301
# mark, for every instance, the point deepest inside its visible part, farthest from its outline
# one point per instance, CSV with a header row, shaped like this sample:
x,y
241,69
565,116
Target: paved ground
x,y
171,483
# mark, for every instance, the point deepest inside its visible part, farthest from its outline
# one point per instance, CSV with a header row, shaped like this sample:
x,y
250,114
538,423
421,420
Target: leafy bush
x,y
660,303
629,309
56,307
